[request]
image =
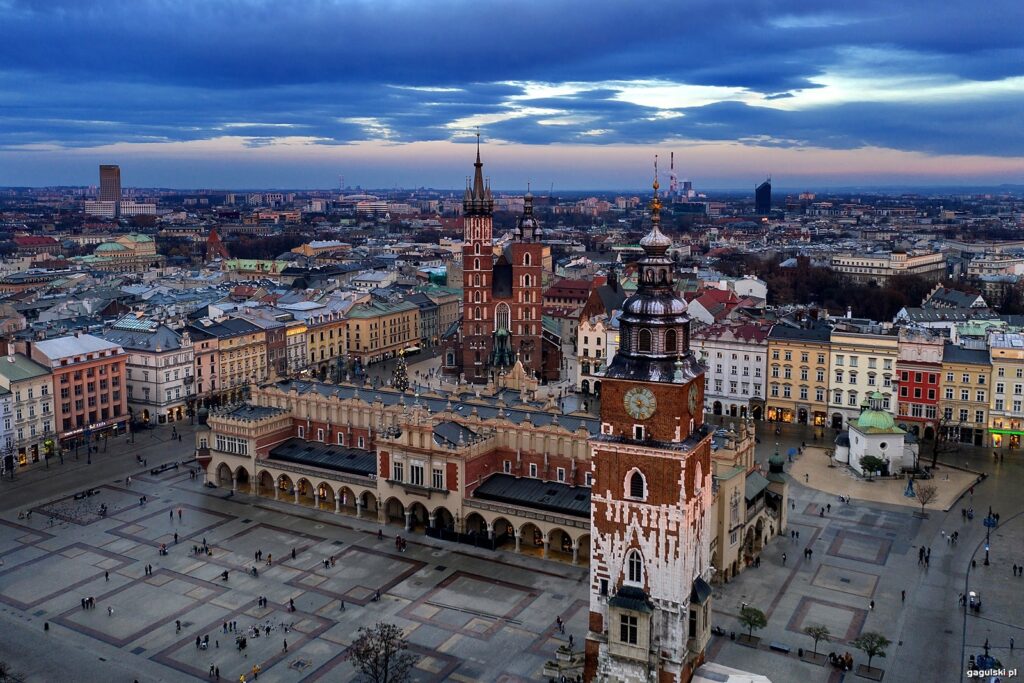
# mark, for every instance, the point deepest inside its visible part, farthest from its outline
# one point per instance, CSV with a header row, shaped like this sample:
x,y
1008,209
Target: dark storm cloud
x,y
76,73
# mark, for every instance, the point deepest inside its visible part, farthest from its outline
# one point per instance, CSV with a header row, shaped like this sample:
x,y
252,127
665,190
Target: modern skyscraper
x,y
649,602
763,198
110,185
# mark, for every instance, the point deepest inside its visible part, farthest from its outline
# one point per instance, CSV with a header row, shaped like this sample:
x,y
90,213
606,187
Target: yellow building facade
x,y
377,331
798,367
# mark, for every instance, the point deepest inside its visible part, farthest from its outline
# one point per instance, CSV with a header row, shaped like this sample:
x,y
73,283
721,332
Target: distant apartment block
x,y
865,268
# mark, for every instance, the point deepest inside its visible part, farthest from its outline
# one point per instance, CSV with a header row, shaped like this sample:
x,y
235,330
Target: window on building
x,y
637,486
560,474
398,471
670,341
362,442
507,467
533,470
416,474
634,567
644,341
638,432
588,479
628,629
979,416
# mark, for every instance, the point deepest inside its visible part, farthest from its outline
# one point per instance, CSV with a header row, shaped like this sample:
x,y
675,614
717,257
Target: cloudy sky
x,y
578,94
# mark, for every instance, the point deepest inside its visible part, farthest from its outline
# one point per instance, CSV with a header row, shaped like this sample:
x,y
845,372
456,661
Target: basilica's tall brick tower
x,y
649,605
502,303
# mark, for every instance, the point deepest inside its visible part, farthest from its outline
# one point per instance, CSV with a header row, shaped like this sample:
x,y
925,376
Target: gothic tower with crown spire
x,y
649,602
502,320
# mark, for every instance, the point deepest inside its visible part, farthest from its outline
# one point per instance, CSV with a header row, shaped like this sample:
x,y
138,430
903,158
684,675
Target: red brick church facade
x,y
502,319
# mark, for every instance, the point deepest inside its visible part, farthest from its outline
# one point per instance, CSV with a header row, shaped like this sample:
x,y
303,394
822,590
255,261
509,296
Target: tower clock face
x,y
692,399
640,403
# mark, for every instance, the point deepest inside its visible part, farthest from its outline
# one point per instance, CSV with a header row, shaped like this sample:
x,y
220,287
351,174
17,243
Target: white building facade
x,y
735,357
159,380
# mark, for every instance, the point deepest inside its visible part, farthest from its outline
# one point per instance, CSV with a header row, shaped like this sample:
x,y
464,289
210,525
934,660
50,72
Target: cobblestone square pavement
x,y
867,551
470,615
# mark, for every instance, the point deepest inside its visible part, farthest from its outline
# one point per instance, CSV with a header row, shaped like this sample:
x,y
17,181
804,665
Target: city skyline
x,y
264,95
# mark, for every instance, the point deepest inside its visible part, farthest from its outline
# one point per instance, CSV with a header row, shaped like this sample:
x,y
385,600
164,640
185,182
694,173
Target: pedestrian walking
x,y
828,507
293,553
216,673
871,605
106,576
170,513
179,514
128,481
211,671
807,478
199,641
175,538
783,559
903,596
110,611
286,646
1011,643
570,641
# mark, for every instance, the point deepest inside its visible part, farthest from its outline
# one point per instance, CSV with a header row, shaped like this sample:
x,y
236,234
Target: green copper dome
x,y
875,418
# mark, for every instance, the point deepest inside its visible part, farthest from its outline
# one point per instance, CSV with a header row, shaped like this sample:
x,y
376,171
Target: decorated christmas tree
x,y
400,378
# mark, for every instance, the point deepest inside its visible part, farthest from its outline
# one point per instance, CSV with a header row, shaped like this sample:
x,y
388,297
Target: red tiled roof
x,y
34,241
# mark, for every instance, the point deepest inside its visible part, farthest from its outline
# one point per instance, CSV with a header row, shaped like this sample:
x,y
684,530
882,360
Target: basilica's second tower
x,y
649,605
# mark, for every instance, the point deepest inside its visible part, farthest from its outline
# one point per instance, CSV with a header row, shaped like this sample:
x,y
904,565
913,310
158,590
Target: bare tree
x,y
380,654
872,644
818,633
946,440
926,493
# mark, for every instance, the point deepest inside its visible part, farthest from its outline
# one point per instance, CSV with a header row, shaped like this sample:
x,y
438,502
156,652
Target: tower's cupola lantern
x,y
654,326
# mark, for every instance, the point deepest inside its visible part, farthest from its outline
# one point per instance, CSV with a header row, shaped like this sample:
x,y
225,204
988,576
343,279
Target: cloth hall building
x,y
627,493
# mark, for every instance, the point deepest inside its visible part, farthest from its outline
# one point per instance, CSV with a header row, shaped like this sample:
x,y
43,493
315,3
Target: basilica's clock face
x,y
692,400
640,403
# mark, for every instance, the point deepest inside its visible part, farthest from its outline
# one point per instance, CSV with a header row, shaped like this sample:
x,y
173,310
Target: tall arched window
x,y
476,280
476,297
476,264
476,313
526,259
644,340
476,248
671,346
637,487
526,281
502,317
634,567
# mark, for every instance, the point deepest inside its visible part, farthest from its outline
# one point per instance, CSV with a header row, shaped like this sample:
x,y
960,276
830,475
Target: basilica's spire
x,y
478,201
478,177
